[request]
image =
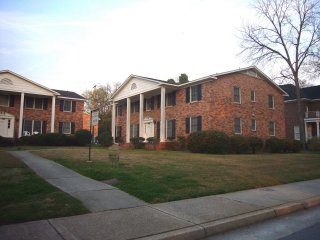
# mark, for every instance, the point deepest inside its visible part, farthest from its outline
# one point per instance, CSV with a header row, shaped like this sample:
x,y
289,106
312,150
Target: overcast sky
x,y
76,44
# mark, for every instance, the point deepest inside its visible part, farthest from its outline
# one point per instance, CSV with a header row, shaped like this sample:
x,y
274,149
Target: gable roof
x,y
30,81
68,94
307,93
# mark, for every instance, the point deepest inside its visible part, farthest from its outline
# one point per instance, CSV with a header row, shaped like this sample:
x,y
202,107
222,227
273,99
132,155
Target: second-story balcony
x,y
312,114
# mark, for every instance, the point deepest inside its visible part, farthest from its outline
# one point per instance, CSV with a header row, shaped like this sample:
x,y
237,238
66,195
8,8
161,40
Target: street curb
x,y
203,230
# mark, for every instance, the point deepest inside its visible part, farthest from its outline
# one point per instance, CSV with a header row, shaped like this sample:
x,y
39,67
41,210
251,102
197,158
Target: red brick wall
x,y
218,110
45,115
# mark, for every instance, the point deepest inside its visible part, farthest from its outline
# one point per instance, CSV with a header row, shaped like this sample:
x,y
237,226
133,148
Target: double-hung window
x,y
171,99
35,103
4,100
237,126
253,125
236,95
253,96
271,101
31,127
67,106
193,93
272,129
134,130
171,129
119,110
67,127
135,107
193,124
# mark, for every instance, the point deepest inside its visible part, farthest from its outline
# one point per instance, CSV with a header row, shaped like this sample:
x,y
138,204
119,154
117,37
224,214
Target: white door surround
x,y
148,124
6,125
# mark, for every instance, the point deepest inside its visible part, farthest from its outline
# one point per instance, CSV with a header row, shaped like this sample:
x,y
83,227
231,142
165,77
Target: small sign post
x,y
94,120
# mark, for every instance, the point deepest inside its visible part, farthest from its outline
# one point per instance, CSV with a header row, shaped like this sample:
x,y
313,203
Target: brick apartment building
x,y
310,104
43,110
243,101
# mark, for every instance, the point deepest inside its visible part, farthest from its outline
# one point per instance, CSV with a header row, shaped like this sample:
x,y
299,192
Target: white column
x,y
53,112
21,114
128,120
318,133
162,115
113,122
141,132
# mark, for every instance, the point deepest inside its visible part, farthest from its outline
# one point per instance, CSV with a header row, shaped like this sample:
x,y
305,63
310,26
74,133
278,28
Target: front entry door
x,y
149,129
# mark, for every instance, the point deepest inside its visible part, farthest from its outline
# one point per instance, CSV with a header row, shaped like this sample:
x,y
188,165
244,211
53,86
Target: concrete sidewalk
x,y
185,219
95,195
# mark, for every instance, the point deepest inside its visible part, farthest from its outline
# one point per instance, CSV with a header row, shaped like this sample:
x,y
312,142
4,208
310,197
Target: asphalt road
x,y
303,225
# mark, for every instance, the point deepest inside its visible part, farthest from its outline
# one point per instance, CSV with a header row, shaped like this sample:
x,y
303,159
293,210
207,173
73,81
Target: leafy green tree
x,y
171,80
183,78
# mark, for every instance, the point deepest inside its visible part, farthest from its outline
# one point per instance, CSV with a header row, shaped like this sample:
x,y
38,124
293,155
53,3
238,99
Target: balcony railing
x,y
312,114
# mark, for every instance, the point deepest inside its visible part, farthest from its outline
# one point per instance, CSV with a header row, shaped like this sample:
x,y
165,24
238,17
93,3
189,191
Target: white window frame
x,y
194,125
167,128
64,105
234,126
134,129
148,104
254,96
62,130
233,97
33,103
296,132
32,126
118,107
195,90
272,101
8,98
255,125
135,107
169,96
274,129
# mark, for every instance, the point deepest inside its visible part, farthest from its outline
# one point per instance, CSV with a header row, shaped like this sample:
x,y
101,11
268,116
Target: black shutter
x,y
45,103
119,131
131,110
199,123
73,126
174,128
61,105
73,106
199,92
158,101
138,133
138,105
158,130
152,102
120,110
187,125
144,104
11,101
60,127
187,95
131,131
174,94
44,127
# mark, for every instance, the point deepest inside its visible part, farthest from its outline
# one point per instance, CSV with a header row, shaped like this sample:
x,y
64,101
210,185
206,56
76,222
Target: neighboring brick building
x,y
243,101
86,125
310,105
43,110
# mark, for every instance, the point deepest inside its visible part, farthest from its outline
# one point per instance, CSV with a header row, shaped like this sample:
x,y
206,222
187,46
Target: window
x,y
253,125
171,129
171,99
135,107
272,128
193,124
237,126
134,130
271,101
66,127
35,103
67,106
253,96
193,93
296,130
4,100
148,104
31,127
119,110
236,95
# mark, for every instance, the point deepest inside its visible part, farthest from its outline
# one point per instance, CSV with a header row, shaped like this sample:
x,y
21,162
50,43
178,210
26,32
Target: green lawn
x,y
25,197
166,175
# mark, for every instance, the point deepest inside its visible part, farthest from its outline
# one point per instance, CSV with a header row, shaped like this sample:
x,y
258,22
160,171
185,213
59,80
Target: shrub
x,y
182,142
275,145
255,144
6,142
49,139
208,142
239,144
137,142
152,140
291,145
105,139
82,137
314,144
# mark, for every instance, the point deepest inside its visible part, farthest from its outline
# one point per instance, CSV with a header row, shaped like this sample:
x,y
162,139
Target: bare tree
x,y
287,33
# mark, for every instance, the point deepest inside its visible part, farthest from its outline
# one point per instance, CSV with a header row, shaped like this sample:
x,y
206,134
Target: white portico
x,y
140,102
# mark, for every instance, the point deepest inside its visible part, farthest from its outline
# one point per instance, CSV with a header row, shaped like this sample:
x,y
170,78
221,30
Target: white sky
x,y
99,42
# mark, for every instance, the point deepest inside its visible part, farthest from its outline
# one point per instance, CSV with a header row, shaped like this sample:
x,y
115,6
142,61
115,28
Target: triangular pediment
x,y
12,82
135,85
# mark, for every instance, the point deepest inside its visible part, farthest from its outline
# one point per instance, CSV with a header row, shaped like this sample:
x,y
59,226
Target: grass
x,y
166,175
25,197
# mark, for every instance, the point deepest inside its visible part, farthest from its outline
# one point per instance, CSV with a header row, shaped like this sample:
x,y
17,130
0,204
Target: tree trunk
x,y
300,114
